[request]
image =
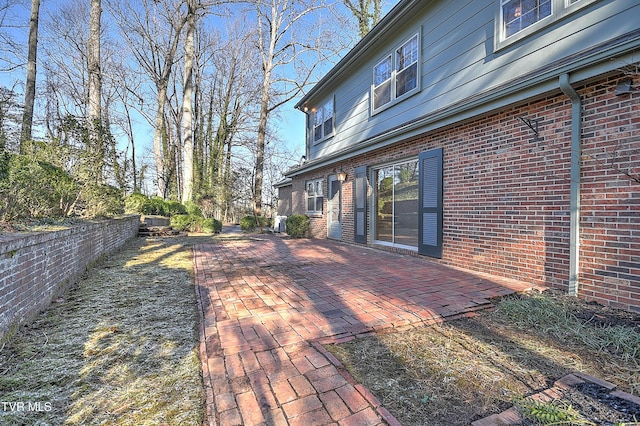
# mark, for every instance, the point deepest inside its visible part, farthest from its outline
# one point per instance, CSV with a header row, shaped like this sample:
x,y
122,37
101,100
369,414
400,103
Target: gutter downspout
x,y
574,227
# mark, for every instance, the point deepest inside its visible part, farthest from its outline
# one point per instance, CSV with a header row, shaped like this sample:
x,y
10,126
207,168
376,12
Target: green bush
x,y
101,200
249,224
136,203
297,225
175,207
192,208
34,189
182,222
211,225
157,206
191,223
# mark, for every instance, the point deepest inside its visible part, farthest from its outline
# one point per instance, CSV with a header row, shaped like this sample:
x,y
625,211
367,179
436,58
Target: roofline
x,y
387,23
581,69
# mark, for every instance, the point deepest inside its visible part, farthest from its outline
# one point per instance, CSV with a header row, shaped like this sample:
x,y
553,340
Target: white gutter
x,y
574,224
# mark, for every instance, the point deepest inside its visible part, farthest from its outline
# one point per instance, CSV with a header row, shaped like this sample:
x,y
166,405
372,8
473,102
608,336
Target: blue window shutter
x,y
430,203
360,205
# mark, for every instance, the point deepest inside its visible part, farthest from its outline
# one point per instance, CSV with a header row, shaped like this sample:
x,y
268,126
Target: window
x,y
521,17
323,122
315,197
520,14
382,83
396,75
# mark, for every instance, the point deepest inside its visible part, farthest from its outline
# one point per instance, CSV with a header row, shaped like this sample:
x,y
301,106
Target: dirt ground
x,y
467,369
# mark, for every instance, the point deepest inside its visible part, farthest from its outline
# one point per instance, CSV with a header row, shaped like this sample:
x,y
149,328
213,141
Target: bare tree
x,y
64,45
235,94
10,57
30,86
285,40
366,12
153,30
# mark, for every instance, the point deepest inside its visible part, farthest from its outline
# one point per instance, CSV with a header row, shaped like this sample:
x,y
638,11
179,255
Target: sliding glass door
x,y
396,195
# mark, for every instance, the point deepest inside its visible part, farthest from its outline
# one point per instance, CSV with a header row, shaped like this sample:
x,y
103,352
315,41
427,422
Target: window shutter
x,y
360,205
430,203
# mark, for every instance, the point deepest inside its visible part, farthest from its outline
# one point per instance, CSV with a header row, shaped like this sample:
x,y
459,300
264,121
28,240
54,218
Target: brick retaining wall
x,y
34,267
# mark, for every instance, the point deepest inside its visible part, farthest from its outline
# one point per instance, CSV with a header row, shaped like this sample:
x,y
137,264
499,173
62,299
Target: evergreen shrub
x,y
297,225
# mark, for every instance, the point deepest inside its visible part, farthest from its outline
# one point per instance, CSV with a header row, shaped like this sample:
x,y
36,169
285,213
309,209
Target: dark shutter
x,y
430,204
360,205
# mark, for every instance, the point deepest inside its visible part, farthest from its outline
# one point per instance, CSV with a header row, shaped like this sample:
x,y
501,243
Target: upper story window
x,y
396,75
323,120
520,14
518,18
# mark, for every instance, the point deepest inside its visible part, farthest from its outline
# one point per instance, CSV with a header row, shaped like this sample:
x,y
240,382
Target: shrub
x,y
181,222
192,208
191,223
297,225
157,206
249,224
175,207
101,200
136,203
33,188
211,225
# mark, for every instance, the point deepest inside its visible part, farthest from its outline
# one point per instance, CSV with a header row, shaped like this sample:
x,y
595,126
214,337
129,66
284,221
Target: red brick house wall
x,y
506,192
610,212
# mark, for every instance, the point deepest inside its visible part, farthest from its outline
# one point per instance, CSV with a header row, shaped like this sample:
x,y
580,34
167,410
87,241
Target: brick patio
x,y
268,303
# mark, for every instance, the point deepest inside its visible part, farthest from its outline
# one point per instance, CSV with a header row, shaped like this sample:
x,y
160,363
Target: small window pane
x,y
317,125
407,54
407,80
319,201
328,126
520,14
328,118
382,71
382,95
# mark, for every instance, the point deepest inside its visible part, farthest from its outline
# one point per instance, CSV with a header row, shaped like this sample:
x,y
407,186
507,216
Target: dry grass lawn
x,y
120,348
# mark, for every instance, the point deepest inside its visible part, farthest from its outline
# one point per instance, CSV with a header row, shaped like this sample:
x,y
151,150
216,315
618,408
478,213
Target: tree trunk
x,y
30,88
187,117
95,87
158,151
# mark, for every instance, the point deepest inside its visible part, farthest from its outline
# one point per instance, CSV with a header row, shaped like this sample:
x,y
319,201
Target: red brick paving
x,y
267,303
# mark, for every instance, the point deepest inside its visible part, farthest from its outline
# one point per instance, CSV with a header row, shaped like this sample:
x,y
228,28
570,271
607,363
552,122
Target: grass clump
x,y
555,317
550,413
121,348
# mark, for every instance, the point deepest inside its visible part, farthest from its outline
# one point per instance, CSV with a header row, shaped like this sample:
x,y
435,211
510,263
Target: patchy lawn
x,y
464,370
120,348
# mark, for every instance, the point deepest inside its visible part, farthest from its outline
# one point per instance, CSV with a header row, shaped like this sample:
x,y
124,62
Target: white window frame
x,y
314,189
323,123
559,10
392,59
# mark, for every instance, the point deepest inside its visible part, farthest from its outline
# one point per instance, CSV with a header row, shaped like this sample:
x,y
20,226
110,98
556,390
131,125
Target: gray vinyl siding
x,y
458,60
